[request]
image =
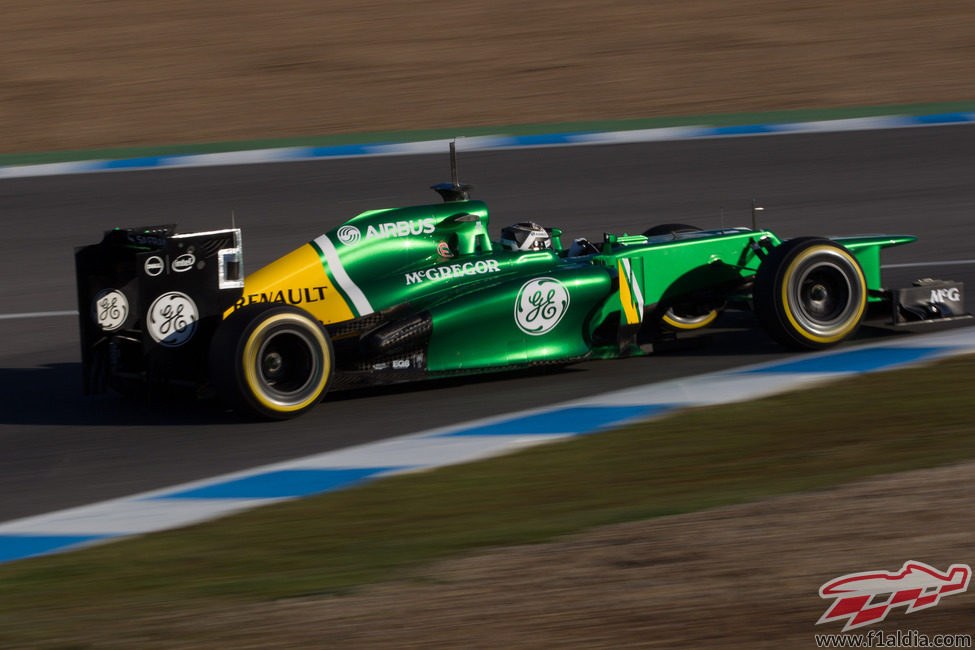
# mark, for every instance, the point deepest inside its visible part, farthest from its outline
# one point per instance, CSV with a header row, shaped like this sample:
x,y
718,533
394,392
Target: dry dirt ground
x,y
744,576
95,74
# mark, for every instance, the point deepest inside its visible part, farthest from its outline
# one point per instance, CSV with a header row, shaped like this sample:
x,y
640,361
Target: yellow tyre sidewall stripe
x,y
787,303
249,357
697,324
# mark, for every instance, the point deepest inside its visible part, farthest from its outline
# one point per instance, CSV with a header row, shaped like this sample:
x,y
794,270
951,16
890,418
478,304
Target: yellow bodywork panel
x,y
631,298
298,279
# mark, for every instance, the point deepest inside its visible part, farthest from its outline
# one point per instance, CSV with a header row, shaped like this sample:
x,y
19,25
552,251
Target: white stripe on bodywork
x,y
351,289
634,288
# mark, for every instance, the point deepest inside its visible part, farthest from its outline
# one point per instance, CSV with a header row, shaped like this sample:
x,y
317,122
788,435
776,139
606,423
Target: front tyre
x,y
271,361
810,293
685,316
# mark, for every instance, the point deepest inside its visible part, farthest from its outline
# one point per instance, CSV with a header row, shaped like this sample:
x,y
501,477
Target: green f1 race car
x,y
421,292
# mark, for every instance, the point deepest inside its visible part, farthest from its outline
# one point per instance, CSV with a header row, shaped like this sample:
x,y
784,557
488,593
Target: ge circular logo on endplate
x,y
349,235
110,309
172,319
540,305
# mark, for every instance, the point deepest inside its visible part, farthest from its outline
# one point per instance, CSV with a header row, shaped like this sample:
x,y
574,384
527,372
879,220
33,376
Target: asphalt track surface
x,y
60,449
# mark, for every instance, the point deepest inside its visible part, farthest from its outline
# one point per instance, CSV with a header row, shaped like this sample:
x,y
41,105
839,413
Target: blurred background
x,y
83,75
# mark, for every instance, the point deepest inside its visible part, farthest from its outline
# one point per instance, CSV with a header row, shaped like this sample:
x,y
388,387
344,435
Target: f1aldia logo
x,y
540,305
867,597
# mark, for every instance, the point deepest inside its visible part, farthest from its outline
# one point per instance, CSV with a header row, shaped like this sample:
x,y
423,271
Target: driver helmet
x,y
525,236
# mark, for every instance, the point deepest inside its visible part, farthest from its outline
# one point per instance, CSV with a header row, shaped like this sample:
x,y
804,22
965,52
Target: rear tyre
x,y
668,229
810,293
271,361
684,316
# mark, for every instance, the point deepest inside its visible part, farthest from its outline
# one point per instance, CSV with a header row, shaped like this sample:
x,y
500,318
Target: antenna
x,y
233,218
454,190
755,210
453,162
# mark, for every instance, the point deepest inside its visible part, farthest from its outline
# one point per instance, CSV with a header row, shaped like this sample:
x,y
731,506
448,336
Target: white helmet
x,y
525,236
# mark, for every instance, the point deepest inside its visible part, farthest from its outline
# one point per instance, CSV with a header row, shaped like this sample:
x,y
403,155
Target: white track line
x,y
910,264
37,314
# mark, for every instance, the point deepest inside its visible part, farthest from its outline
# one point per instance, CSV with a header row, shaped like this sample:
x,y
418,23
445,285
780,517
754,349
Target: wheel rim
x,y
288,365
825,296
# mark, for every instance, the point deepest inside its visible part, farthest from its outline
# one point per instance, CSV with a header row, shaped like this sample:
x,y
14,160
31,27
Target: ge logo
x,y
110,309
349,235
172,319
540,305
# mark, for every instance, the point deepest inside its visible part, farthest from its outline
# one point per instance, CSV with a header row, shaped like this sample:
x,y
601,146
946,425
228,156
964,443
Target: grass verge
x,y
696,459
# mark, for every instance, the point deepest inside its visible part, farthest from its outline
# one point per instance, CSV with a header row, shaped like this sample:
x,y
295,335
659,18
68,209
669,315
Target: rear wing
x,y
149,300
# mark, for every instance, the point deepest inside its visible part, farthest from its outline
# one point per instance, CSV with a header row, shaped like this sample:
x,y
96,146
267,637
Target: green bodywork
x,y
866,248
485,307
